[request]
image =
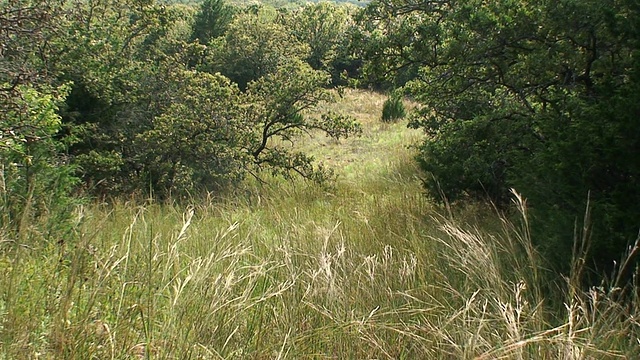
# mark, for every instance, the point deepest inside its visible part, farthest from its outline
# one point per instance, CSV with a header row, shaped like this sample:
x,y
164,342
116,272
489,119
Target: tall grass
x,y
301,274
366,269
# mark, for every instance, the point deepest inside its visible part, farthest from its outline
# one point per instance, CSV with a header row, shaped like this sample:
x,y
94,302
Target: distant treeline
x,y
274,3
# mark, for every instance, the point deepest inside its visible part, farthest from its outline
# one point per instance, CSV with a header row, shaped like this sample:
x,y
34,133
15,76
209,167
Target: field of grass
x,y
367,268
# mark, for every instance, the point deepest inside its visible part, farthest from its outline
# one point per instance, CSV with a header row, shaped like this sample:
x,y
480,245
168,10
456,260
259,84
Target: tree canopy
x,y
540,96
140,96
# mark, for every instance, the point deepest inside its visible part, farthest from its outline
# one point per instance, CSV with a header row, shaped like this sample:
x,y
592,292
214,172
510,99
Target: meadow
x,y
364,268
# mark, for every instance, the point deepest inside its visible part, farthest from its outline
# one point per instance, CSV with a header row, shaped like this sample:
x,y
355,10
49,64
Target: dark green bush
x,y
393,108
556,118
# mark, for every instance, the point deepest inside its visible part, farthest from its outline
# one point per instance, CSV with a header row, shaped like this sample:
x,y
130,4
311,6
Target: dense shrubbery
x,y
133,97
150,106
35,175
539,96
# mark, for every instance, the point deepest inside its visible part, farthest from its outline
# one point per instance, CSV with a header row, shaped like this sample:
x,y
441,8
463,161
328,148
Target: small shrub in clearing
x,y
393,108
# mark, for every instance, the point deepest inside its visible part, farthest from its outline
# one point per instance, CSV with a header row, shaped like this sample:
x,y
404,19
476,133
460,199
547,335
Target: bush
x,y
393,108
541,122
36,181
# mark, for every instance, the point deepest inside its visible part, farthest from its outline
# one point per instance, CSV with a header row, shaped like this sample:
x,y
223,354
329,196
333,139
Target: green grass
x,y
364,269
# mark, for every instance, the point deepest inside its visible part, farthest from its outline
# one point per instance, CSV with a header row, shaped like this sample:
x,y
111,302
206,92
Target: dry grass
x,y
367,269
379,144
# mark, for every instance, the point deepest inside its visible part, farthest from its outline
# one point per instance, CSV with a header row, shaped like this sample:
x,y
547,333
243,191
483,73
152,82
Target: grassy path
x,y
366,269
380,147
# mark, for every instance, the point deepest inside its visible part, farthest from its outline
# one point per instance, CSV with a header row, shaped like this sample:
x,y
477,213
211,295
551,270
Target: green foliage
x,y
322,26
195,143
213,135
211,21
393,108
113,53
527,95
25,25
386,42
153,103
147,108
327,29
35,178
255,45
35,175
281,106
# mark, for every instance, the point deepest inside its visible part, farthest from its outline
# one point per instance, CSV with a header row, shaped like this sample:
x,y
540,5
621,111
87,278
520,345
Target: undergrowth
x,y
366,269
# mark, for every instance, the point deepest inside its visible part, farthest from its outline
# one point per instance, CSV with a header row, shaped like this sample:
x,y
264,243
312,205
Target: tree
x,y
119,88
328,29
255,45
214,135
281,107
196,142
24,28
211,21
34,175
113,54
392,37
524,94
322,26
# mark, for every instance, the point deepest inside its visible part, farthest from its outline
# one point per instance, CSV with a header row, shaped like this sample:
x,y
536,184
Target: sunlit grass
x,y
365,269
379,145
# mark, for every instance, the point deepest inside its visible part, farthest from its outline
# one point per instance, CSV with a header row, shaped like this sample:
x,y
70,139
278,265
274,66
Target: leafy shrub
x,y
35,178
555,122
393,108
